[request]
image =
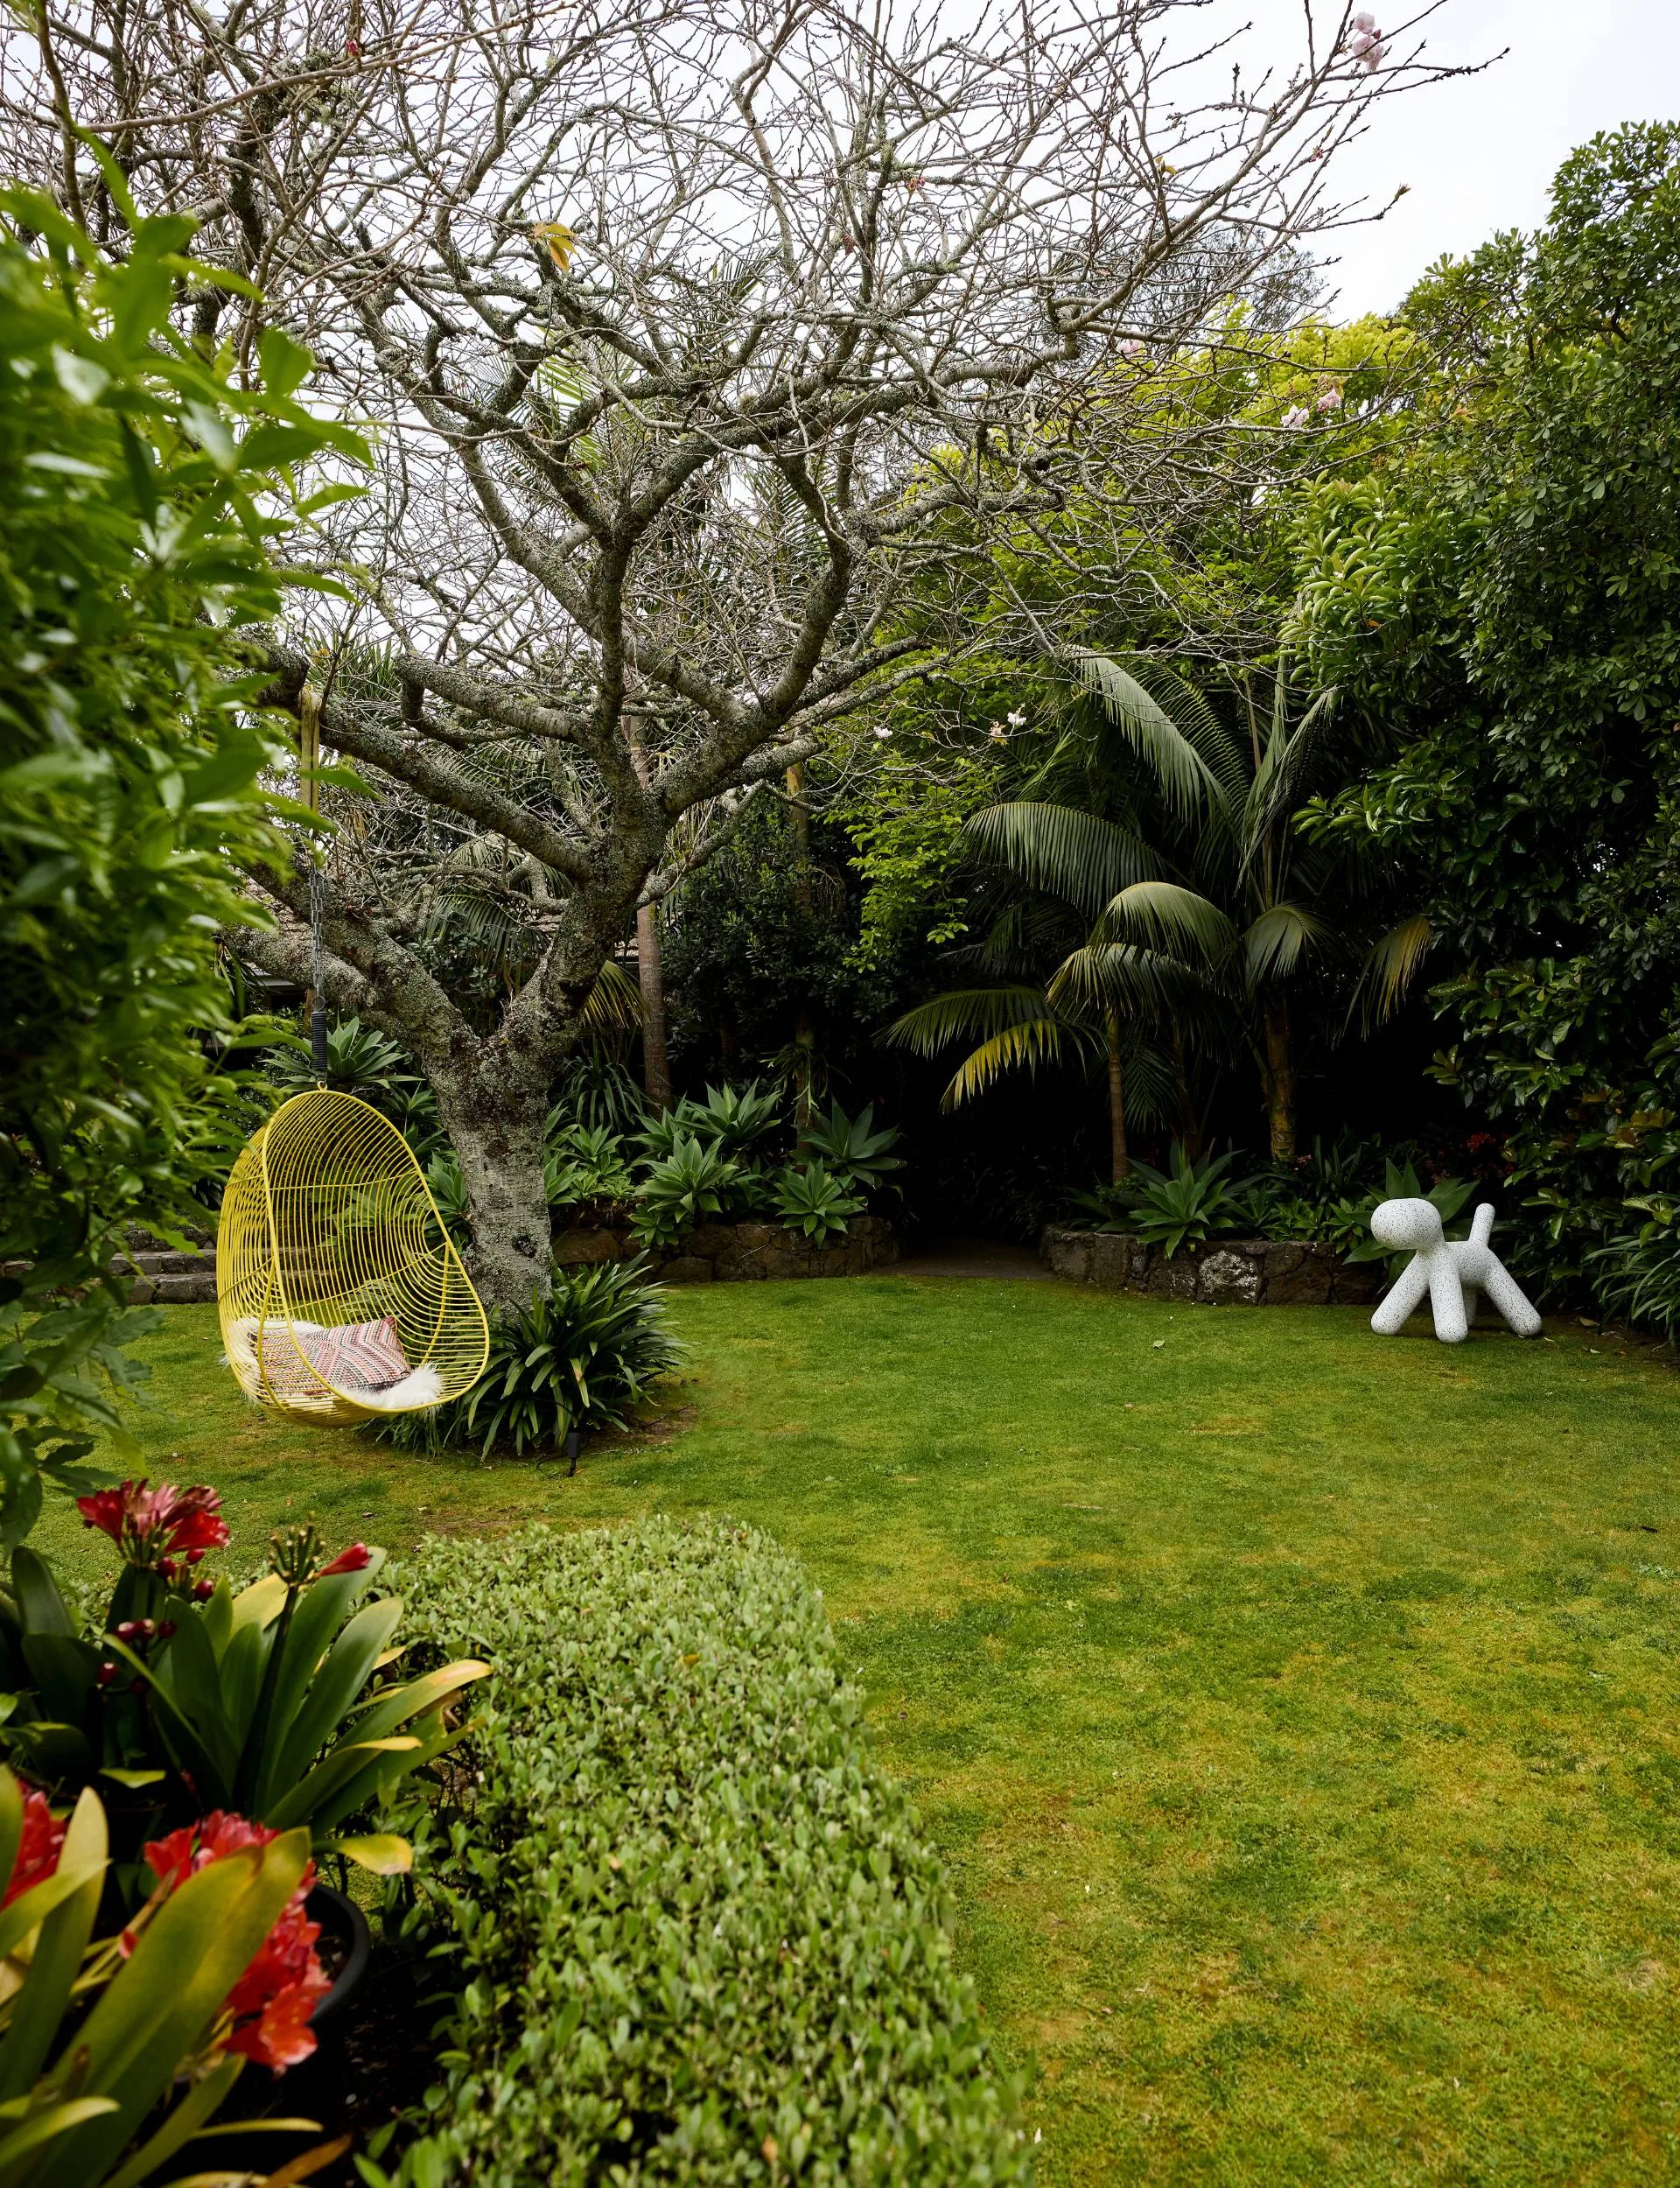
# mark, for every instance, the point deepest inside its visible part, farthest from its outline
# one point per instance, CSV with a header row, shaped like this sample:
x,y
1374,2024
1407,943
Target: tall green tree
x,y
143,491
1501,596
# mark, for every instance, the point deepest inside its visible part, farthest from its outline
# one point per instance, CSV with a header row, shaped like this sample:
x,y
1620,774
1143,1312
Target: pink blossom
x,y
1299,416
1365,41
1133,348
1330,400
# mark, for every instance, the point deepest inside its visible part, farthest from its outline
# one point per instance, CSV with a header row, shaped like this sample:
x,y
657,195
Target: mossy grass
x,y
1297,1709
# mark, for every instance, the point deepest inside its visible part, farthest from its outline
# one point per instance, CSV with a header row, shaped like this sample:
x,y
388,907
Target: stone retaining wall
x,y
740,1253
170,1279
720,1254
1225,1273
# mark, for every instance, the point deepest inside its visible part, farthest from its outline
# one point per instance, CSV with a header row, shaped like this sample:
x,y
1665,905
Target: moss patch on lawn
x,y
1297,1710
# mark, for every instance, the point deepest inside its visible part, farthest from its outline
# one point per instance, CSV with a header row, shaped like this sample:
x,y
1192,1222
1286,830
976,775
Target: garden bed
x,y
738,1253
1223,1272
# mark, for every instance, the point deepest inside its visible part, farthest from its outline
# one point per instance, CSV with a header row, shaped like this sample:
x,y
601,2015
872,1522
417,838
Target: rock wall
x,y
170,1279
713,1253
740,1253
1225,1273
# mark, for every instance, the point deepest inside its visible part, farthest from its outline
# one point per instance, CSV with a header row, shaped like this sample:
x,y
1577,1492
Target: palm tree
x,y
1206,898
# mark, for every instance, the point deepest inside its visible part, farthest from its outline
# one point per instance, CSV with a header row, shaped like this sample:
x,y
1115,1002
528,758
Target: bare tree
x,y
693,332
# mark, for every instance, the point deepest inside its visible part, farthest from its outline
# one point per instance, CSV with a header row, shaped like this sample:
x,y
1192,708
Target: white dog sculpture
x,y
1453,1271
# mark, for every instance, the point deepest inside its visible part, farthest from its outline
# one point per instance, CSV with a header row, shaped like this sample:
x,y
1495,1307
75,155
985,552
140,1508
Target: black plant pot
x,y
311,2090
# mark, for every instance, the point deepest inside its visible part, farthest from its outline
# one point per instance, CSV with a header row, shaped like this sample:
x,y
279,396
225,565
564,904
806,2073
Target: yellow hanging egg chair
x,y
342,1298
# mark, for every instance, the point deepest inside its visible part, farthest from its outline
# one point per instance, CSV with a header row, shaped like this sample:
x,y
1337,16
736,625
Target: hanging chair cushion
x,y
362,1355
299,1360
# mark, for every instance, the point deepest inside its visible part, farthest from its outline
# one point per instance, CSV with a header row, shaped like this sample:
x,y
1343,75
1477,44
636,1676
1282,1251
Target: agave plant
x,y
690,1184
585,1163
359,1061
850,1146
815,1204
1185,1204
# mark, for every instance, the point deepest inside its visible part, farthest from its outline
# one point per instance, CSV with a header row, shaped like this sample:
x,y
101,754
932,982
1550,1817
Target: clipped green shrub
x,y
699,1936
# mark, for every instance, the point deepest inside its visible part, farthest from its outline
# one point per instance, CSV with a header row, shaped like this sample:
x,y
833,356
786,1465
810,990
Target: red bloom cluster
x,y
156,1527
38,1850
272,2000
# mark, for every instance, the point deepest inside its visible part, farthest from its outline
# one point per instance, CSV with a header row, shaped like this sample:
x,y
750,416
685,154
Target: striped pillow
x,y
362,1355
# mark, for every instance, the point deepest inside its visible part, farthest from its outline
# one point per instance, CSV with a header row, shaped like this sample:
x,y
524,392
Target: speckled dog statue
x,y
1453,1272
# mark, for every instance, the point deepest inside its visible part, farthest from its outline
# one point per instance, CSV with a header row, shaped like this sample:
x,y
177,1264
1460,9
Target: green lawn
x,y
1297,1710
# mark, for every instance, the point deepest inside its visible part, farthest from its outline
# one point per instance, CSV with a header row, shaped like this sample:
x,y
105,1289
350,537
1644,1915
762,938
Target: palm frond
x,y
614,1005
1167,917
1276,942
963,1014
1058,848
1124,976
1390,966
1022,1047
1226,756
1188,784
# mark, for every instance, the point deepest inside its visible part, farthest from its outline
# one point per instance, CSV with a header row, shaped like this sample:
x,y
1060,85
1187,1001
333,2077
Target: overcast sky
x,y
1480,153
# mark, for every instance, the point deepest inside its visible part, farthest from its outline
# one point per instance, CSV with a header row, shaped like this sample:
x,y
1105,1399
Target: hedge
x,y
699,1936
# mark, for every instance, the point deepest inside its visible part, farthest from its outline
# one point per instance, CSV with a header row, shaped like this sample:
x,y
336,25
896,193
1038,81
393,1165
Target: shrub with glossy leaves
x,y
701,1937
142,485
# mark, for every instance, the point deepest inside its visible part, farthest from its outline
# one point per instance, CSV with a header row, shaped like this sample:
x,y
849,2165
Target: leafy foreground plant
x,y
700,1938
192,1698
218,1967
587,1357
143,488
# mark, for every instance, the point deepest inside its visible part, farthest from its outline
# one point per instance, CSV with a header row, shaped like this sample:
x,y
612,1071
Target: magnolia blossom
x,y
1299,416
273,2000
1017,722
39,1849
1330,400
1365,41
154,1527
1133,348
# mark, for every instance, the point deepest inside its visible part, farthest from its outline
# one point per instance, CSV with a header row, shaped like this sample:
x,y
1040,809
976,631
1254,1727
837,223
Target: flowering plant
x,y
269,2008
217,1967
156,1529
275,1703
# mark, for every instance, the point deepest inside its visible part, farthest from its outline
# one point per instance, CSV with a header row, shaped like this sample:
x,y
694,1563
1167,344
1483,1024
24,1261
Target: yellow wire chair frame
x,y
328,1226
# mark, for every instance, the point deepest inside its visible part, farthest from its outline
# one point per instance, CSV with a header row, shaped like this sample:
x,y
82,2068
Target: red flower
x,y
153,1526
272,2000
356,1559
39,1849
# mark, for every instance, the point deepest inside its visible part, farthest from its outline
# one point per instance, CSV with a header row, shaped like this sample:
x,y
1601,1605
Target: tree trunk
x,y
500,1157
804,1048
1120,1153
1280,1076
1189,1123
655,1050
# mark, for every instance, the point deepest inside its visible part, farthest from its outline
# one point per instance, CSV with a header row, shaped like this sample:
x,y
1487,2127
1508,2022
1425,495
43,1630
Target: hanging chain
x,y
309,755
